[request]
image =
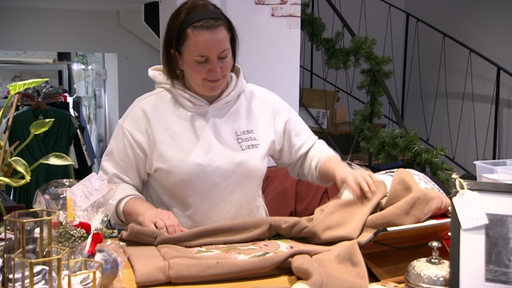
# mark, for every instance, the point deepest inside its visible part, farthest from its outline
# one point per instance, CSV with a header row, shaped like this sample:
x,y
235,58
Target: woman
x,y
194,151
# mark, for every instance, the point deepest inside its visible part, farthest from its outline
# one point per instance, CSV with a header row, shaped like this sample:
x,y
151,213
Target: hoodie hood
x,y
192,101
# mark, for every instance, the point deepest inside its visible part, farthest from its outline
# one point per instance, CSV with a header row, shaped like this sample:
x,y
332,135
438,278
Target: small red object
x,y
84,225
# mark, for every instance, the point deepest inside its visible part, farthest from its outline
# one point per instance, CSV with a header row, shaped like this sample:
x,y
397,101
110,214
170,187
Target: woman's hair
x,y
195,14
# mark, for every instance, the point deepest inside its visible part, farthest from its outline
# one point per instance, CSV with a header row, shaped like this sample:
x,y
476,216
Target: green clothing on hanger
x,y
58,138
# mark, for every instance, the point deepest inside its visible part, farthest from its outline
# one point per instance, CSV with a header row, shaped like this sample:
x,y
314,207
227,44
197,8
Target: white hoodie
x,y
206,162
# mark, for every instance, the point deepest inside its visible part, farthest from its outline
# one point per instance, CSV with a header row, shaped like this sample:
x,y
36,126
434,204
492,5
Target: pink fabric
x,y
287,196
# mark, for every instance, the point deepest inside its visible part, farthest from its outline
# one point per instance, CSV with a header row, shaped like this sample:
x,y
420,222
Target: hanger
x,y
26,98
38,104
51,95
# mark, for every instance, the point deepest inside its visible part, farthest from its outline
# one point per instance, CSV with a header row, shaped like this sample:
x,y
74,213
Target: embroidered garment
x,y
322,250
315,248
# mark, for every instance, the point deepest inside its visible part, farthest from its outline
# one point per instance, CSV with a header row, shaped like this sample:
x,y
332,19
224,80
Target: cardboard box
x,y
321,105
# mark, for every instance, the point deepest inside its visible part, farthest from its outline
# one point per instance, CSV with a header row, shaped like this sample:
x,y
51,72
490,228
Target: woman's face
x,y
206,62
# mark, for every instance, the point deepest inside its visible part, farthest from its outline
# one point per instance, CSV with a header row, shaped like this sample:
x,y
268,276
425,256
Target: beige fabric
x,y
339,266
407,203
322,250
322,246
337,221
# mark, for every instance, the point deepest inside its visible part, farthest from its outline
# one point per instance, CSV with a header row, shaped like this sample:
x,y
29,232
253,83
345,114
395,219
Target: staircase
x,y
452,95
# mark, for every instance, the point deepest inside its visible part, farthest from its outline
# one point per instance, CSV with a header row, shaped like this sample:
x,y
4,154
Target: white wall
x,y
485,27
269,48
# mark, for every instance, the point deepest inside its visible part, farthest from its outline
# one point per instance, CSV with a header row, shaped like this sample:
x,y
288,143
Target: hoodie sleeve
x,y
297,147
123,164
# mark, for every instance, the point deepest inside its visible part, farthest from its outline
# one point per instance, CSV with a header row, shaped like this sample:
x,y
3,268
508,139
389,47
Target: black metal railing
x,y
451,94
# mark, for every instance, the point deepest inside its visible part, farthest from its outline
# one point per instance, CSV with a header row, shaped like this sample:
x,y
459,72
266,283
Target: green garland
x,y
385,145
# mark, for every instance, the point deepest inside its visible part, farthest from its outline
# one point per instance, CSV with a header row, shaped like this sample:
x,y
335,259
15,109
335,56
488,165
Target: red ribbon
x,y
96,239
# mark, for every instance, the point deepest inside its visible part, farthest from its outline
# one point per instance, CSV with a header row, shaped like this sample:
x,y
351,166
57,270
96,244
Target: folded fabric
x,y
322,250
316,265
324,240
408,203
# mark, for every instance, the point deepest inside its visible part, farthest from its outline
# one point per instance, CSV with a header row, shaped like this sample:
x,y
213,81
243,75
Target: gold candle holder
x,y
83,272
47,270
30,231
28,237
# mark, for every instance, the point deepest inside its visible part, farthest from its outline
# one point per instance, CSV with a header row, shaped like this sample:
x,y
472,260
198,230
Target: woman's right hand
x,y
162,220
139,211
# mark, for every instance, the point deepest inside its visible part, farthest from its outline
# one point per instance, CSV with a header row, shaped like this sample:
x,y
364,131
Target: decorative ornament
x,y
70,236
110,265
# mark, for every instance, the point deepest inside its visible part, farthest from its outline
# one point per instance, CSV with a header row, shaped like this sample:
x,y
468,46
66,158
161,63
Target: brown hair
x,y
196,14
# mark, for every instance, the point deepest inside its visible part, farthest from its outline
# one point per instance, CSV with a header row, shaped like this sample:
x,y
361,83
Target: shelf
x,y
35,66
57,72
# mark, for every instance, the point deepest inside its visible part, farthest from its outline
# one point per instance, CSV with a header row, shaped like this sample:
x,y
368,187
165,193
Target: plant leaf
x,y
16,87
57,158
20,165
14,182
40,126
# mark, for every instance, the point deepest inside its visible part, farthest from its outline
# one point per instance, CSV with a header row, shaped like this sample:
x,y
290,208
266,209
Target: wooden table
x,y
389,253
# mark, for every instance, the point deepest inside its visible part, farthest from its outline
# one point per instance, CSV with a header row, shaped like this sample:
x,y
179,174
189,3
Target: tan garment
x,y
407,203
322,249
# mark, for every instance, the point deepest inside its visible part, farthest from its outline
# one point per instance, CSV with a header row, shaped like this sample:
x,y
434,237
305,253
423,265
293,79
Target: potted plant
x,y
9,162
385,145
